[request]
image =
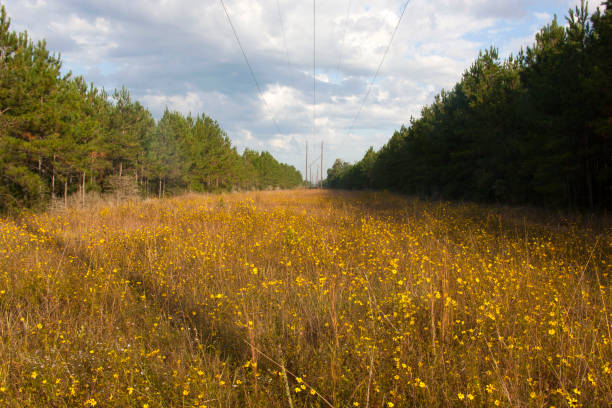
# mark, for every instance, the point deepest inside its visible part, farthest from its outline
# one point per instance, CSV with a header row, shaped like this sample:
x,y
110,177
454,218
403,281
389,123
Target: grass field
x,y
304,299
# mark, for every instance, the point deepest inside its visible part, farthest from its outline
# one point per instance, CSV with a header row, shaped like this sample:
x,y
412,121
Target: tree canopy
x,y
534,128
58,134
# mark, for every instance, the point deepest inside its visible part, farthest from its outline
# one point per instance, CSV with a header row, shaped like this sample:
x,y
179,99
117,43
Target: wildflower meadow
x,y
304,298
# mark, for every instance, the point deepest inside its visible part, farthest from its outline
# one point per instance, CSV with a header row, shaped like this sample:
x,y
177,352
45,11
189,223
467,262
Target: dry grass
x,y
303,299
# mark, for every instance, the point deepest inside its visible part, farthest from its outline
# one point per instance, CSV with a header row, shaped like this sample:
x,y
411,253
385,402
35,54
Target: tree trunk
x,y
160,188
83,189
589,181
53,179
66,193
589,177
120,169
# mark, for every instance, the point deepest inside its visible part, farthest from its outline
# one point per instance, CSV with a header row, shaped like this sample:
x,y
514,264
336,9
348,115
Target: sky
x,y
182,54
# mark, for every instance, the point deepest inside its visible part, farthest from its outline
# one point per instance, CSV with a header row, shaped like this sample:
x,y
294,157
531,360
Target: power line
x,y
314,67
348,10
280,17
246,59
379,66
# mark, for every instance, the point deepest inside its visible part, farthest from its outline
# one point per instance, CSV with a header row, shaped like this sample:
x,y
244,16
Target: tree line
x,y
534,128
59,135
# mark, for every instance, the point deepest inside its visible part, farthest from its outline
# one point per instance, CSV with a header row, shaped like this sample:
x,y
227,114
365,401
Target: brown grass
x,y
303,299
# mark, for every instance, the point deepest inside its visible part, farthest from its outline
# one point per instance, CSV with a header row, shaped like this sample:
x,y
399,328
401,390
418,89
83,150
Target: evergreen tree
x,y
531,129
59,136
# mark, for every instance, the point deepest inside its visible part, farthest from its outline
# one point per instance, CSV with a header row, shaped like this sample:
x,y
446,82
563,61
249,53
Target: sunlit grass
x,y
303,298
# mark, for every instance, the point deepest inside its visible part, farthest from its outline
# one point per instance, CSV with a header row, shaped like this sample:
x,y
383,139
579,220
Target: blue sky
x,y
182,54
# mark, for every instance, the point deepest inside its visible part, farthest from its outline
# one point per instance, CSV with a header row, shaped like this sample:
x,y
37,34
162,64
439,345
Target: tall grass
x,y
304,299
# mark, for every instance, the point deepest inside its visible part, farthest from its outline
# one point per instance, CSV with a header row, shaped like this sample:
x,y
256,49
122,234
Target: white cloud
x,y
182,54
92,38
35,3
322,78
543,17
281,143
190,102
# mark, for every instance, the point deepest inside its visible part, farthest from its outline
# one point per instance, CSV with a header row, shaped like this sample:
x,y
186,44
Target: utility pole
x,y
306,169
315,179
321,179
311,177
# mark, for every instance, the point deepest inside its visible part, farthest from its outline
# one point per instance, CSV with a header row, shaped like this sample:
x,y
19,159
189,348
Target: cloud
x,y
91,38
544,17
182,54
35,3
190,102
